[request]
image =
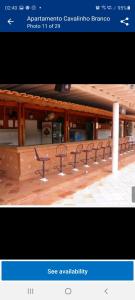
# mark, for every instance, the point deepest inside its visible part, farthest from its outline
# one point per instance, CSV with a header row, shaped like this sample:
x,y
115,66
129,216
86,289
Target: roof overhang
x,y
13,96
95,95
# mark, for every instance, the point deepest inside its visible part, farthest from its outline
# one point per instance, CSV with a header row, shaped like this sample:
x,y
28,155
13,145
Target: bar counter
x,y
20,163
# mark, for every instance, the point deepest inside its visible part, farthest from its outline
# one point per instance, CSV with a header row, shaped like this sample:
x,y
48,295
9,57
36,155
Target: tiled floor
x,y
95,186
111,191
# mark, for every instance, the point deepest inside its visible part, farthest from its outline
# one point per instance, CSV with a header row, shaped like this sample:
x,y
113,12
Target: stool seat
x,y
44,159
75,152
61,155
86,150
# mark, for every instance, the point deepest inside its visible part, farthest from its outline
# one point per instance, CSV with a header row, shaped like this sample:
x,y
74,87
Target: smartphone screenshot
x,y
67,150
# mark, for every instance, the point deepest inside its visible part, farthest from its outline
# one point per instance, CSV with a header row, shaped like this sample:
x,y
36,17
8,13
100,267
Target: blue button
x,y
67,270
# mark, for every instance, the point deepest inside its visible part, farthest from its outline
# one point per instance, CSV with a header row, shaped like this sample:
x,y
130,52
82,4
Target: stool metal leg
x,y
132,146
125,150
96,162
75,161
61,168
128,147
86,161
44,179
103,155
110,157
120,149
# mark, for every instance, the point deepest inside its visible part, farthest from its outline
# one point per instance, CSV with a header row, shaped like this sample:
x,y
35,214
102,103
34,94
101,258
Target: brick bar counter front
x,y
20,163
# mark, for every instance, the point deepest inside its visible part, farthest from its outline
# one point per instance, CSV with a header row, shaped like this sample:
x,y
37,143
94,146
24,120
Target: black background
x,y
67,57
65,233
79,233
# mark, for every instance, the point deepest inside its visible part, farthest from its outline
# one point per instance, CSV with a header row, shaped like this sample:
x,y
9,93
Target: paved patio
x,y
95,186
112,191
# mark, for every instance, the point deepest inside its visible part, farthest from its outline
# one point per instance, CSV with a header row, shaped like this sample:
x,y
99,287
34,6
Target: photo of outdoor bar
x,y
67,144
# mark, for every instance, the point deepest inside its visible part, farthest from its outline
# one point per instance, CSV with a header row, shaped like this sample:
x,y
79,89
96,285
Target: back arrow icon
x,y
10,21
106,291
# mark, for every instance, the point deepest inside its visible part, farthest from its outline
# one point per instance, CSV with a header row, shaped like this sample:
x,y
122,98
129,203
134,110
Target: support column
x,y
21,125
115,150
125,129
66,127
133,126
5,119
122,129
95,128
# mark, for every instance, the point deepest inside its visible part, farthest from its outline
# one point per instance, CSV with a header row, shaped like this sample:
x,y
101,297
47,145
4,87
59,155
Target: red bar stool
x,y
120,147
76,154
97,149
105,145
125,145
61,153
110,148
87,152
131,144
43,160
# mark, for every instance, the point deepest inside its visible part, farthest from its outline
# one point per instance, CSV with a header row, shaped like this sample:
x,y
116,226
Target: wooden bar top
x,y
27,147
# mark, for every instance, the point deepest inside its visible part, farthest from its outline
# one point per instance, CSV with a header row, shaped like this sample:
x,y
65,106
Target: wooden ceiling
x,y
96,95
123,93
